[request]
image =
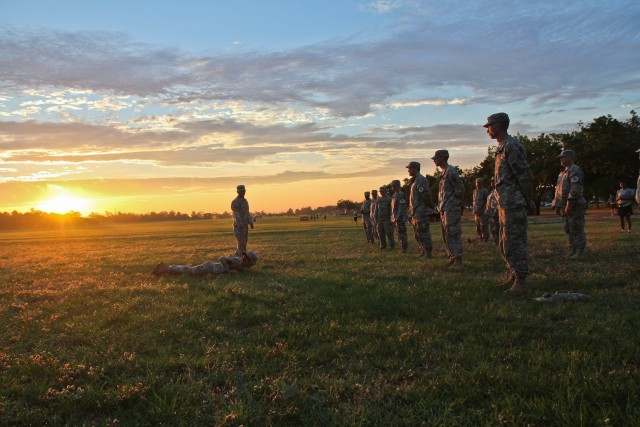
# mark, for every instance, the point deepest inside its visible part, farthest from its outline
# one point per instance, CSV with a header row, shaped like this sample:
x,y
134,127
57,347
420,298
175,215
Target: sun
x,y
64,202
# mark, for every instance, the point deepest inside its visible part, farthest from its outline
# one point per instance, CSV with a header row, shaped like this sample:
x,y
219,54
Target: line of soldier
x,y
501,211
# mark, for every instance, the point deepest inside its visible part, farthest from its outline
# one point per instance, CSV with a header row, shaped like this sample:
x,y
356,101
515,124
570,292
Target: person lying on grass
x,y
225,264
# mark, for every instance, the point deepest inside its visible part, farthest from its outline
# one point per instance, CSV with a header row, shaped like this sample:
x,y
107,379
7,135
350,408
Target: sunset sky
x,y
140,106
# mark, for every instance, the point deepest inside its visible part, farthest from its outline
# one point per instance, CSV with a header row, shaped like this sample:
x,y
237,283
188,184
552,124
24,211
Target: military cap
x,y
413,165
374,191
441,153
366,193
240,188
497,117
383,189
568,153
395,182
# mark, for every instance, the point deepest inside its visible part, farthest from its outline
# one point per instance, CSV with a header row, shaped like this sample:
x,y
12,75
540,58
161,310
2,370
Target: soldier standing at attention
x,y
399,214
491,213
385,229
480,195
365,210
374,214
450,193
514,186
569,202
241,220
421,207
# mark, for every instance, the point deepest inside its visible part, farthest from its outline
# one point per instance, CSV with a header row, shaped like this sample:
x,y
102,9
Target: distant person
x,y
611,202
480,195
241,219
399,214
355,217
421,207
365,210
373,213
450,194
624,201
569,202
514,187
225,264
383,219
491,213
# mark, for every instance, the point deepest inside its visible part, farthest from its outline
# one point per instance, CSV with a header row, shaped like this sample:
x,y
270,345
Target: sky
x,y
140,106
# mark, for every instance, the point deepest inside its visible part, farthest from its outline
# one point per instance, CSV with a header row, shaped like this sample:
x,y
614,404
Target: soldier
x,y
365,210
373,213
514,186
241,220
480,195
225,264
450,193
491,213
399,214
569,202
421,207
385,229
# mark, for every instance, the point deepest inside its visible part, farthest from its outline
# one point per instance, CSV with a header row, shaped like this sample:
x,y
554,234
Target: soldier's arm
x,y
517,159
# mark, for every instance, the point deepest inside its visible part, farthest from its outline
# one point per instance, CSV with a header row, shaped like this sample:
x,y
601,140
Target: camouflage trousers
x,y
385,233
198,270
513,240
452,231
482,227
574,227
401,229
494,226
368,227
242,236
422,233
374,229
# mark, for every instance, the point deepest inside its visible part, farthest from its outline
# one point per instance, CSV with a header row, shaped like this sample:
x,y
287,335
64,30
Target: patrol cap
x,y
240,188
383,189
568,153
497,117
374,191
395,183
441,153
366,193
413,165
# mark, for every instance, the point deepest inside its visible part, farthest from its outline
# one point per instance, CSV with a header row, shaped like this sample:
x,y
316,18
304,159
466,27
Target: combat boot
x,y
520,286
572,252
456,264
509,282
578,253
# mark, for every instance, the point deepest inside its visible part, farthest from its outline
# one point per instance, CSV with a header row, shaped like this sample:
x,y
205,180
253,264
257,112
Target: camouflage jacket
x,y
480,200
383,208
491,209
366,207
514,183
451,190
241,215
399,210
420,202
570,187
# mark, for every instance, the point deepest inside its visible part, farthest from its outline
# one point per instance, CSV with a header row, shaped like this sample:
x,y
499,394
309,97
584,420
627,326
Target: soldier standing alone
x,y
421,207
480,195
366,217
385,229
399,214
569,202
514,186
451,191
241,220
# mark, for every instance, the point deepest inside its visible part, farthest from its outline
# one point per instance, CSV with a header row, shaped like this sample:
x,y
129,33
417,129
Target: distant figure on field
x,y
624,201
383,219
365,210
225,264
355,217
611,202
514,186
450,194
569,202
241,220
480,195
421,207
399,214
373,213
491,213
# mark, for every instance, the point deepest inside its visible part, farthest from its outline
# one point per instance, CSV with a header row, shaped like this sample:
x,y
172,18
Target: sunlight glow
x,y
63,202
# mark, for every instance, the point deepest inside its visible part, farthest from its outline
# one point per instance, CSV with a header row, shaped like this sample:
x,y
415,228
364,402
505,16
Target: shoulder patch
x,y
575,179
420,189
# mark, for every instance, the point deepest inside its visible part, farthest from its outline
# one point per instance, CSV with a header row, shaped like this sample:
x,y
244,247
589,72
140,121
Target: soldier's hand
x,y
251,226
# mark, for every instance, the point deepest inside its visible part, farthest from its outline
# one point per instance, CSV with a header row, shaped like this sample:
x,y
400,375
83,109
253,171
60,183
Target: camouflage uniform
x,y
491,215
479,205
373,212
241,222
366,219
399,214
570,193
225,264
450,193
421,208
514,184
383,219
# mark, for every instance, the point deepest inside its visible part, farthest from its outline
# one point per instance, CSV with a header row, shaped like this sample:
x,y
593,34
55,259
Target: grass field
x,y
325,330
